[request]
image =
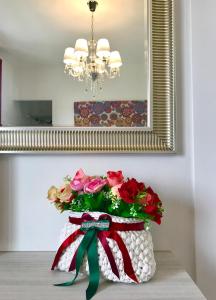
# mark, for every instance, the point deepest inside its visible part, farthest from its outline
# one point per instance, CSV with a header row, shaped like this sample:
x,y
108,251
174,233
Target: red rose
x,y
114,178
151,209
152,197
130,189
152,205
157,218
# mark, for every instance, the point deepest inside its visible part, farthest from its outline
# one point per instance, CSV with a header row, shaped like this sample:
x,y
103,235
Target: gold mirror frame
x,y
161,139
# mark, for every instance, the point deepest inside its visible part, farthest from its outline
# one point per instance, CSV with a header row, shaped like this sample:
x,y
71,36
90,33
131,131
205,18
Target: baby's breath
x,y
67,179
147,225
116,202
133,211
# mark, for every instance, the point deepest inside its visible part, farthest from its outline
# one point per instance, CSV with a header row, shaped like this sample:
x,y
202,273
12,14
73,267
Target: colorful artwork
x,y
124,113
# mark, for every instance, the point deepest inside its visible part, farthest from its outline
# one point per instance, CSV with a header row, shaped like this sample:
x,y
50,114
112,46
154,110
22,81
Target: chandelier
x,y
92,61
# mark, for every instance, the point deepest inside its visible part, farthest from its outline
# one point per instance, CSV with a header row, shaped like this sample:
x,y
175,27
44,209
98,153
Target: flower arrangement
x,y
112,194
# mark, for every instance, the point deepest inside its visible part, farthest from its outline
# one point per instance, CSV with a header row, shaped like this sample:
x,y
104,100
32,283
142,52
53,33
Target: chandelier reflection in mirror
x,y
92,61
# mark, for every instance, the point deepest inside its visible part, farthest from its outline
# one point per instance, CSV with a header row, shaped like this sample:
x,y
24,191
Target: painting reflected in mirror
x,y
111,113
35,91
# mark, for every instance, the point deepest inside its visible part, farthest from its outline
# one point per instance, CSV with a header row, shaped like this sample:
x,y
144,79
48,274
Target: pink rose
x,y
65,194
114,178
95,185
79,180
115,190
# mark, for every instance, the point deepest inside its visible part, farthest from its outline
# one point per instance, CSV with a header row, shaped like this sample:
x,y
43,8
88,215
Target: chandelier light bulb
x,y
101,66
81,48
78,69
115,60
103,49
69,56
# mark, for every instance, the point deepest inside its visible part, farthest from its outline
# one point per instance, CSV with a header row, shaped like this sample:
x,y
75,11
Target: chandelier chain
x,y
92,26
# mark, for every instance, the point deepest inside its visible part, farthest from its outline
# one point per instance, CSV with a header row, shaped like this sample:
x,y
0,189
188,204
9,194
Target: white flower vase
x,y
139,245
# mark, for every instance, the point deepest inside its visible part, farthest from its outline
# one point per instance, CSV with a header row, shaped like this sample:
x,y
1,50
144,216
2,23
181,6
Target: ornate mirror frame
x,y
160,139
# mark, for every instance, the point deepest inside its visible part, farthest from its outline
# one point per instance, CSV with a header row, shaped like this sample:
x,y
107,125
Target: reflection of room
x,y
33,67
32,113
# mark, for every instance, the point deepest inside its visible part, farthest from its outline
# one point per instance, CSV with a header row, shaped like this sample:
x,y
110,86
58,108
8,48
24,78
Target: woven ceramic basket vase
x,y
139,245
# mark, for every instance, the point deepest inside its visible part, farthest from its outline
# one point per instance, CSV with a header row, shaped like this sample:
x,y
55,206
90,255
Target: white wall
x,y
204,86
28,222
9,87
48,82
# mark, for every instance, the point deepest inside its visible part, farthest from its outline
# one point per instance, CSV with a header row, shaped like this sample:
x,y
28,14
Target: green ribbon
x,y
93,268
89,246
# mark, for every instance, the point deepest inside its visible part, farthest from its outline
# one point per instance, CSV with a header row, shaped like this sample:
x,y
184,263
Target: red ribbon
x,y
102,236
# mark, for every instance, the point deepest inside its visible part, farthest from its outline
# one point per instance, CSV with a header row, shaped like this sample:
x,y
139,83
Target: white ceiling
x,y
39,30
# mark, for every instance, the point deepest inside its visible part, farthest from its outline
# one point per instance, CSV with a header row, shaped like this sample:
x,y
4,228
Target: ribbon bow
x,y
92,229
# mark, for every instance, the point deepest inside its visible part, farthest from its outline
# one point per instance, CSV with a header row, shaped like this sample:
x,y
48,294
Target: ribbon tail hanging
x,y
94,271
80,255
128,268
64,246
109,253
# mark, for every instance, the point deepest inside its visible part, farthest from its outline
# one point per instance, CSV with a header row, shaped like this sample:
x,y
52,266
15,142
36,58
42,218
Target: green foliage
x,y
104,201
91,202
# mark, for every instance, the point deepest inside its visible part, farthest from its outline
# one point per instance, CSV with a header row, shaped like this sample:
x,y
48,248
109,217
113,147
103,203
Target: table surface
x,y
27,276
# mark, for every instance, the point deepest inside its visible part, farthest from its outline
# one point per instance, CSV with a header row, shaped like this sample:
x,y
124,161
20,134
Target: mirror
x,y
44,110
35,89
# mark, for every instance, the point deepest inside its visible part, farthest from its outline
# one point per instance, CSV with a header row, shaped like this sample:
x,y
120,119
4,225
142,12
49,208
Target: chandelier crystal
x,y
92,61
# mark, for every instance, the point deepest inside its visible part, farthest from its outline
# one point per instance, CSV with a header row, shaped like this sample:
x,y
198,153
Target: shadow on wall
x,y
205,236
176,233
25,211
7,207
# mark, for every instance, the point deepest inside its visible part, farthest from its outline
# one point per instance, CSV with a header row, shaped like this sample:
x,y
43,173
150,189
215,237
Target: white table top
x,y
27,276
